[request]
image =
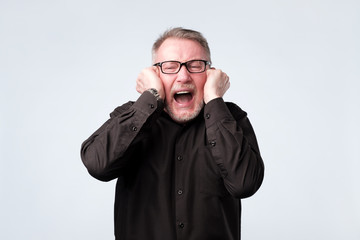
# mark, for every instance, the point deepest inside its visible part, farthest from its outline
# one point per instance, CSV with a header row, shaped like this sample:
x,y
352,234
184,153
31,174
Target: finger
x,y
157,71
227,85
138,89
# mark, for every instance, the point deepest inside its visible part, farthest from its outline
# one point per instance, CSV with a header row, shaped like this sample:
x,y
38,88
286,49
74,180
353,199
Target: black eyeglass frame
x,y
159,64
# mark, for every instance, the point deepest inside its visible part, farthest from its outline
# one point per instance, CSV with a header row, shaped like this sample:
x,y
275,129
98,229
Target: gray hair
x,y
181,33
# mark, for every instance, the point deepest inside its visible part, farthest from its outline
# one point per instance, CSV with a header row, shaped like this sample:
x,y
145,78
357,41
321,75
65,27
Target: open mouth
x,y
183,97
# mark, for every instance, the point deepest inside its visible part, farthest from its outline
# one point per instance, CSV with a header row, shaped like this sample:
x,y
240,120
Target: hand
x,y
149,78
216,85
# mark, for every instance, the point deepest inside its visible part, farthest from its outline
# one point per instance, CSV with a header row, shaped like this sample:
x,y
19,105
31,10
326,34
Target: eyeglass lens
x,y
195,66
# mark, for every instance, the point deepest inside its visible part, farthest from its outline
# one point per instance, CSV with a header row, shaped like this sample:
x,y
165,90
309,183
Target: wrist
x,y
156,93
208,98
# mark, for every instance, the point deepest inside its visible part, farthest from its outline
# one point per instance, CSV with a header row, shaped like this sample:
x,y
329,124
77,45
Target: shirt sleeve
x,y
106,152
234,147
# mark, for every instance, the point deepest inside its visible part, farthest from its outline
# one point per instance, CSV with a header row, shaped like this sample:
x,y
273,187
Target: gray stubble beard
x,y
186,117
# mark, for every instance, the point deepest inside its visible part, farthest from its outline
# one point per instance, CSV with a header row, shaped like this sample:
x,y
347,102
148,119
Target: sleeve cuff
x,y
216,110
148,104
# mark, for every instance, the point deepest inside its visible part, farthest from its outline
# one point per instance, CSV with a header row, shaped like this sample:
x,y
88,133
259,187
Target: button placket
x,y
179,187
180,164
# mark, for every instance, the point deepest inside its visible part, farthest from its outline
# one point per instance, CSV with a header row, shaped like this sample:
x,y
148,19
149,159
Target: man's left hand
x,y
216,85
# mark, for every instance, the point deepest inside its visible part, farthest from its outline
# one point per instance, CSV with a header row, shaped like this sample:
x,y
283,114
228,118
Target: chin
x,y
184,116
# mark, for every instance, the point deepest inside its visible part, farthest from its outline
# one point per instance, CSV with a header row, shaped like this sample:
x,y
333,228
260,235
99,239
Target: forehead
x,y
180,50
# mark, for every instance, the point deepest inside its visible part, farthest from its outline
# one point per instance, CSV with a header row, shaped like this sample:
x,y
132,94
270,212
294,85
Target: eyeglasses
x,y
173,67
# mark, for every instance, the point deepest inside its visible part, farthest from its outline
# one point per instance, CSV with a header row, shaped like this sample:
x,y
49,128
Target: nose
x,y
183,75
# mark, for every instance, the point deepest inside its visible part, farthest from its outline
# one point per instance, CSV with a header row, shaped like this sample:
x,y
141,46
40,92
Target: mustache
x,y
177,87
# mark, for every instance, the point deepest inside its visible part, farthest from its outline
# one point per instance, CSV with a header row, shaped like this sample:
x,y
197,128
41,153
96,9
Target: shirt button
x,y
179,158
181,225
207,115
134,129
213,143
151,105
180,191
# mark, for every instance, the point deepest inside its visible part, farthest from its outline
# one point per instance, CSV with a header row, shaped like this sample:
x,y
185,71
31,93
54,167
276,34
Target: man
x,y
183,158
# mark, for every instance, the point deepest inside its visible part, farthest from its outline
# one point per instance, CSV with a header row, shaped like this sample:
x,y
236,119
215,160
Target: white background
x,y
294,67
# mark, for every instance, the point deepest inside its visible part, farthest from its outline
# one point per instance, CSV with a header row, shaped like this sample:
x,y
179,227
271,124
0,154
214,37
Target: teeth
x,y
183,92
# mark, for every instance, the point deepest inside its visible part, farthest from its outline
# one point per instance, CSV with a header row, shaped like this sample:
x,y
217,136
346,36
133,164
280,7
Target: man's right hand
x,y
149,78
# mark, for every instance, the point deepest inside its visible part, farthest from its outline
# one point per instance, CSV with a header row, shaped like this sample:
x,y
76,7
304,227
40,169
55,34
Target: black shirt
x,y
176,181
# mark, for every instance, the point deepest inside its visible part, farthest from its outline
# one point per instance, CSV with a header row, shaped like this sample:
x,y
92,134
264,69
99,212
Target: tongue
x,y
183,98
